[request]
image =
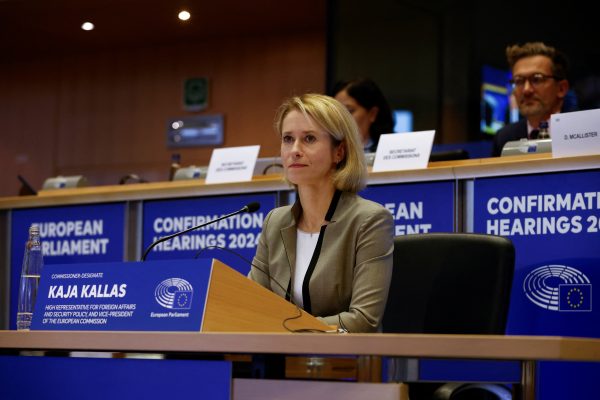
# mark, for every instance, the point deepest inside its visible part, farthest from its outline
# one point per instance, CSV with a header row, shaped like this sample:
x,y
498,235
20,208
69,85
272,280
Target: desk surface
x,y
401,345
436,171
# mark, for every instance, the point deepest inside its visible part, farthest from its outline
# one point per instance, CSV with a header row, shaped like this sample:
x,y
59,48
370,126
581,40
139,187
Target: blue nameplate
x,y
165,295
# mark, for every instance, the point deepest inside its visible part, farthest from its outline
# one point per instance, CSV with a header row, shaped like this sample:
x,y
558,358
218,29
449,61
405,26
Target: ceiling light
x,y
87,26
184,15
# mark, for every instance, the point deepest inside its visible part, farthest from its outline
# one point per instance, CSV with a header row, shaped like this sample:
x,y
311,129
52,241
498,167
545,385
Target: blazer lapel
x,y
288,236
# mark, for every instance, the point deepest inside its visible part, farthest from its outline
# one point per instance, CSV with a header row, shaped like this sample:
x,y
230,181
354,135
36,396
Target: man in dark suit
x,y
539,88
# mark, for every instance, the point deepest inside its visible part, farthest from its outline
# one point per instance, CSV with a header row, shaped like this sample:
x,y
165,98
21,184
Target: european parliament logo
x,y
559,288
174,294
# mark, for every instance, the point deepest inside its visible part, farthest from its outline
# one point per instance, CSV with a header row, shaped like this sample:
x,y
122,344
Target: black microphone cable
x,y
243,259
286,320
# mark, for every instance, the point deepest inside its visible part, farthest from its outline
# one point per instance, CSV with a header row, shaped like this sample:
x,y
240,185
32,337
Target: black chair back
x,y
453,283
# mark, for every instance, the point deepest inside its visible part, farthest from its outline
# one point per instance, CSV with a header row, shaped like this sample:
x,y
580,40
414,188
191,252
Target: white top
x,y
305,248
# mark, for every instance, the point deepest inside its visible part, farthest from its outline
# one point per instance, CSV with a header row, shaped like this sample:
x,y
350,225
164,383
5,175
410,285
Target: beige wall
x,y
103,114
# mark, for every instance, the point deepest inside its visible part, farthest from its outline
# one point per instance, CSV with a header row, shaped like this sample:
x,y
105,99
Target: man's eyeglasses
x,y
535,80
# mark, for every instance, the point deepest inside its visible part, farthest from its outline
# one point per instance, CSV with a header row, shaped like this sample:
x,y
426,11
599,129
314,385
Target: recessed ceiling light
x,y
184,15
87,26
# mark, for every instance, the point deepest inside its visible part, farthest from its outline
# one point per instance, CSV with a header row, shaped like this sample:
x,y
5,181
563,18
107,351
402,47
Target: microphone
x,y
26,188
252,207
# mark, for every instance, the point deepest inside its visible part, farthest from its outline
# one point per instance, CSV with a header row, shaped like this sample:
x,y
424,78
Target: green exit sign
x,y
195,94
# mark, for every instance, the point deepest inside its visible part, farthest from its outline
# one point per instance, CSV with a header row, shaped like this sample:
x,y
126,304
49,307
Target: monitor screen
x,y
403,121
496,107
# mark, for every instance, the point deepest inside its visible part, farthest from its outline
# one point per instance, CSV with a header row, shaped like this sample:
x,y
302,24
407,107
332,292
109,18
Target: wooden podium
x,y
235,303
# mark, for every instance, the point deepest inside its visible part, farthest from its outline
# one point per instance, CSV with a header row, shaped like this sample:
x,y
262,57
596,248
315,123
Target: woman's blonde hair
x,y
335,119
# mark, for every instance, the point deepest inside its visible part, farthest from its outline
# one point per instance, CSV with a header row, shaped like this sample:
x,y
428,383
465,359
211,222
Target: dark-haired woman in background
x,y
368,106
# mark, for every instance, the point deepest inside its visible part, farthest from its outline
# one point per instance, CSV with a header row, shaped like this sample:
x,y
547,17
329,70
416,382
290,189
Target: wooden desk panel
x,y
493,347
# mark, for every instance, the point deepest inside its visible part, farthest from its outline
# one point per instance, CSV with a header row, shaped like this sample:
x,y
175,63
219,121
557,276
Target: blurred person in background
x,y
540,87
369,108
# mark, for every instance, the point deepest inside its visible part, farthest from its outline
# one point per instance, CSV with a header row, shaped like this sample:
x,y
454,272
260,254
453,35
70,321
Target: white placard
x,y
575,133
232,164
403,151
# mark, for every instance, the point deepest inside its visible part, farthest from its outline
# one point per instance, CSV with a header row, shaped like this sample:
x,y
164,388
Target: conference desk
x,y
525,349
469,184
436,171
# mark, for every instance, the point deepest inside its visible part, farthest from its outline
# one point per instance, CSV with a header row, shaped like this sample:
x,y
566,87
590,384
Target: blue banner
x,y
554,223
133,296
71,234
417,207
232,240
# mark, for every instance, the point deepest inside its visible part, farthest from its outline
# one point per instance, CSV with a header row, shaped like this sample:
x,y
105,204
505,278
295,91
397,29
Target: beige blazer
x,y
350,281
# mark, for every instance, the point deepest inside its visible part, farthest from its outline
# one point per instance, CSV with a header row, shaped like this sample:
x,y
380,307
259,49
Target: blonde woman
x,y
332,249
